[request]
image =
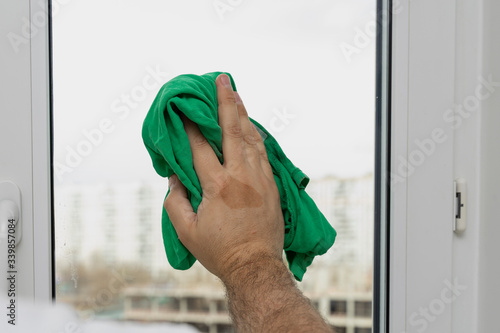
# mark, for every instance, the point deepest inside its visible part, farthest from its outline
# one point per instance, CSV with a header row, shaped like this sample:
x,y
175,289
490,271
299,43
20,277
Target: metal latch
x,y
460,206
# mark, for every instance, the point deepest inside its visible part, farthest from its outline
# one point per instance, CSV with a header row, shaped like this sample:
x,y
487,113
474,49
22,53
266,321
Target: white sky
x,y
283,55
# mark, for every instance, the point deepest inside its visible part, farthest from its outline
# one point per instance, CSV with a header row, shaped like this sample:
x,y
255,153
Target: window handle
x,y
10,234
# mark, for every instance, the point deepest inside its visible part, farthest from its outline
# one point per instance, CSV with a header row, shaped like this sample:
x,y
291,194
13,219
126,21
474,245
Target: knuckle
x,y
182,237
229,98
168,203
250,139
171,205
234,130
216,184
199,141
227,101
220,182
263,156
242,111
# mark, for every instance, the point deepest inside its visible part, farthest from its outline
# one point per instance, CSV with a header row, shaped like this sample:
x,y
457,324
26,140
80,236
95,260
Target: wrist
x,y
255,269
263,297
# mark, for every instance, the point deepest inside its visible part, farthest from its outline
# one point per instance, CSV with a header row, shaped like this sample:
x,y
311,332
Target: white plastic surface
x,y
421,206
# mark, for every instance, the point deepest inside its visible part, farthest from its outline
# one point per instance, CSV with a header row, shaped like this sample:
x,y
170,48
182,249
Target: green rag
x,y
307,232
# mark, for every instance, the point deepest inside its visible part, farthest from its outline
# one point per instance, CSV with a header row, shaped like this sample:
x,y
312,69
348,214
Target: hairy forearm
x,y
263,297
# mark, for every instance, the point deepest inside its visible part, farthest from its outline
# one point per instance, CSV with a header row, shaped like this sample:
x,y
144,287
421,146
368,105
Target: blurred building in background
x,y
348,204
118,227
119,223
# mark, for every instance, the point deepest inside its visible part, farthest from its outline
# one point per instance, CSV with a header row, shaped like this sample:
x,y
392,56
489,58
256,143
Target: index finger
x,y
229,120
204,160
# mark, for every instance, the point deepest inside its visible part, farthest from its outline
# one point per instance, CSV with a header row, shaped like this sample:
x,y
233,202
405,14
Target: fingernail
x,y
237,97
225,80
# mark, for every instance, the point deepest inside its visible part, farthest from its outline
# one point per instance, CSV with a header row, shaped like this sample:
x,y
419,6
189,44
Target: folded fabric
x,y
307,232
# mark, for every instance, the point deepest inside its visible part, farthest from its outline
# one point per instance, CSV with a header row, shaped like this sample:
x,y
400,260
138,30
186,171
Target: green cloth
x,y
307,232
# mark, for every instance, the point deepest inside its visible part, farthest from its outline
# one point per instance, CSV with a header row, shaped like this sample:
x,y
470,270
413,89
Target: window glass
x,y
306,72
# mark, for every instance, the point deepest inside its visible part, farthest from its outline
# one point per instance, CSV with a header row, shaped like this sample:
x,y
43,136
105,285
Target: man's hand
x,y
238,231
239,219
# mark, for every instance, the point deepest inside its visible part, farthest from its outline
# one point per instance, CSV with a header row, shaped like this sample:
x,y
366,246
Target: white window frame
x,y
421,245
437,51
26,142
421,206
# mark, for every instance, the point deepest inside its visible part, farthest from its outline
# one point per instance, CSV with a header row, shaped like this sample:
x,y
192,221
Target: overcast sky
x,y
285,57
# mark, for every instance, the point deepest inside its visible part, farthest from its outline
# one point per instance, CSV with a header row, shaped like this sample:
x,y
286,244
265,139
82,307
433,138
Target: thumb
x,y
179,209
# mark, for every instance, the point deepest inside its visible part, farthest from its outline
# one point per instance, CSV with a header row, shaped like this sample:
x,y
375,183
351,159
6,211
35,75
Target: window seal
x,y
51,148
381,281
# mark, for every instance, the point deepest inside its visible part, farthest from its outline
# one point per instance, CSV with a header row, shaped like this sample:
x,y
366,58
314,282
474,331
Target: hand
x,y
239,219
